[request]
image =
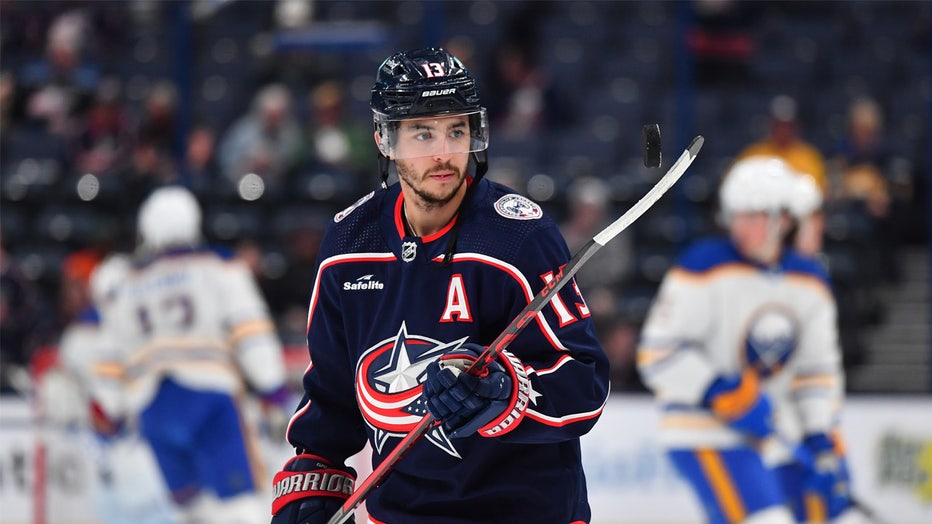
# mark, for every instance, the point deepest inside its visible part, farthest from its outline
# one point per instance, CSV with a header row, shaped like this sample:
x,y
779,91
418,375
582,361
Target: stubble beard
x,y
426,199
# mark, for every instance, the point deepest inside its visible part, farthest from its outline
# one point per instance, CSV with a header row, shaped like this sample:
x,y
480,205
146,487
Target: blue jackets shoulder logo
x,y
518,207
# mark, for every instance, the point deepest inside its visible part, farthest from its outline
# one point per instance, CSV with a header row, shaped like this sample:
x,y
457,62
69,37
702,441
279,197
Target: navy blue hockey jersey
x,y
384,306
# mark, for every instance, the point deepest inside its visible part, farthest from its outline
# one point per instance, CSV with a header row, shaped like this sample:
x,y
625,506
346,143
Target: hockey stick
x,y
523,319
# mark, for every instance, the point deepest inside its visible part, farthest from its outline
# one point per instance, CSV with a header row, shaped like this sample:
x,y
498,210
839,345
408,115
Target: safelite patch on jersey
x,y
518,207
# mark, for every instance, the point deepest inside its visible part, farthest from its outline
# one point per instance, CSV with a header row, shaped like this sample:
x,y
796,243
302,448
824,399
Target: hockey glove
x,y
309,490
738,402
491,403
276,413
827,473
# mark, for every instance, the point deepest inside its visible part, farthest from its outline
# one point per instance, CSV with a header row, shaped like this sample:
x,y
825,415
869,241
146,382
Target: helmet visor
x,y
433,135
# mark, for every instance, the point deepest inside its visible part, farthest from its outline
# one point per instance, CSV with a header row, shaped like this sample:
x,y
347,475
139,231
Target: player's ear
x,y
378,142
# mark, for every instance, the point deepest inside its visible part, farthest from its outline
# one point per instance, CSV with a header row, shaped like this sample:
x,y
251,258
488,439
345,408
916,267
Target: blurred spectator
x,y
7,97
334,141
293,289
200,170
601,278
720,42
73,297
293,14
620,342
157,122
18,316
250,253
38,134
63,66
523,98
76,274
105,140
868,181
150,166
785,142
264,140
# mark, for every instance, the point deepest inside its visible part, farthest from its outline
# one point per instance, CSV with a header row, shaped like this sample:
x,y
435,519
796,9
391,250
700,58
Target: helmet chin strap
x,y
481,159
383,169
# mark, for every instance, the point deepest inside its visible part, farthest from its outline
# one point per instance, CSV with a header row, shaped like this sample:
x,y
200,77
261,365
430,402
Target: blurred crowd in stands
x,y
100,102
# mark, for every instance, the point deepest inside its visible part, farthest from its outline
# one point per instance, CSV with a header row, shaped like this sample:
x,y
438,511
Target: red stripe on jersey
x,y
400,225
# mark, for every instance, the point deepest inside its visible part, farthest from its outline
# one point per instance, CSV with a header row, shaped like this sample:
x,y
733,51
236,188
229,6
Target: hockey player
x,y
741,351
84,393
197,333
412,281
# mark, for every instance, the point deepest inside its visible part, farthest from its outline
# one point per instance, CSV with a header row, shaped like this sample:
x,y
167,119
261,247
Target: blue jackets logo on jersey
x,y
771,339
388,386
518,207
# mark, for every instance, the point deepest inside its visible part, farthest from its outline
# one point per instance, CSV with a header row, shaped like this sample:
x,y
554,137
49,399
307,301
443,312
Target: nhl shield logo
x,y
408,251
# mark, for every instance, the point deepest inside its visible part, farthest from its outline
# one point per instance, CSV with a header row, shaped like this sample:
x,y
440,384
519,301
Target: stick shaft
x,y
523,319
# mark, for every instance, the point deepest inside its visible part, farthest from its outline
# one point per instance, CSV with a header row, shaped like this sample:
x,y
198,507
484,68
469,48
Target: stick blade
x,y
696,145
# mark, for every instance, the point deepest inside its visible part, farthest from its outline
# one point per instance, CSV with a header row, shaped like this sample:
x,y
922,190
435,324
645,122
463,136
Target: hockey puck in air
x,y
652,154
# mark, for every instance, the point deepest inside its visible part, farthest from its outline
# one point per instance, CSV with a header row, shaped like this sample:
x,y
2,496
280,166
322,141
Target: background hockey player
x,y
412,281
197,337
741,350
84,394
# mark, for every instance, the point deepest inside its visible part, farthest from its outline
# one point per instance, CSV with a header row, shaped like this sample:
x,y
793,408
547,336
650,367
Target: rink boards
x,y
630,480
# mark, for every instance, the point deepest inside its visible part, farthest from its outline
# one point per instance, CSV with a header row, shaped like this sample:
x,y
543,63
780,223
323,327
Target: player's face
x,y
757,235
428,137
432,158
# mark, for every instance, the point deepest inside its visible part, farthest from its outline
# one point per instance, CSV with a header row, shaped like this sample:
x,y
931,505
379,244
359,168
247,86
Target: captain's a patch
x,y
518,207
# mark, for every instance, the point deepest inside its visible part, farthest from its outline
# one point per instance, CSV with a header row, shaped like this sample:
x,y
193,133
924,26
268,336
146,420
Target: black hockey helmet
x,y
423,83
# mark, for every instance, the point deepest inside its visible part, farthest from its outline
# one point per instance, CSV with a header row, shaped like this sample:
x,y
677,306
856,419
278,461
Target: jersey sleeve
x,y
568,370
327,421
671,356
253,336
817,387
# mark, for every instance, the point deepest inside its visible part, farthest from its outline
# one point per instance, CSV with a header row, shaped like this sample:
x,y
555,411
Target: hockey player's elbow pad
x,y
739,402
309,490
491,403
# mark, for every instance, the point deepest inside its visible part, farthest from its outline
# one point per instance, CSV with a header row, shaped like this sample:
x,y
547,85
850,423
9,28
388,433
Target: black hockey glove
x,y
309,490
491,403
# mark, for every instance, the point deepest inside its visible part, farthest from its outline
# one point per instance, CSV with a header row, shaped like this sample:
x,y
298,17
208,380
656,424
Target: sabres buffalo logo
x,y
388,386
772,337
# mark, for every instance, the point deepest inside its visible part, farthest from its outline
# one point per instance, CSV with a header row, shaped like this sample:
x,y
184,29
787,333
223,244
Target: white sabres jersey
x,y
718,314
91,356
197,318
